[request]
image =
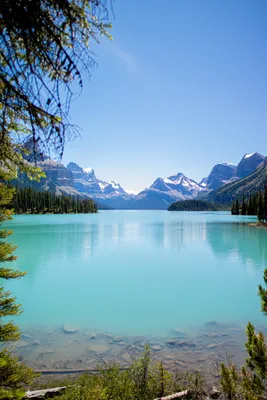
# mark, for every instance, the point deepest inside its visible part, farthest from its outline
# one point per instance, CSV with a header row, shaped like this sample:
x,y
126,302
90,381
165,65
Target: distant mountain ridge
x,y
224,173
219,175
165,191
109,193
252,183
82,182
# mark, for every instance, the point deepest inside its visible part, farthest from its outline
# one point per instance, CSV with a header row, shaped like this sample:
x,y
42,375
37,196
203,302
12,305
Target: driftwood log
x,y
40,394
69,371
179,395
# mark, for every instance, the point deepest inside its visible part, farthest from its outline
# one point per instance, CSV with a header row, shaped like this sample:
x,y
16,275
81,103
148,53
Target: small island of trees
x,y
192,205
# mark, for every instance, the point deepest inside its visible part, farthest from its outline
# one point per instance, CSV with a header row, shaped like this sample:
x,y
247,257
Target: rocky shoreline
x,y
67,349
258,224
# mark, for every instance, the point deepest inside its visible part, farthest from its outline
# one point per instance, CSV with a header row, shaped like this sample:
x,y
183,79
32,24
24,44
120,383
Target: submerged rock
x,y
211,346
212,325
103,335
171,342
22,343
92,335
234,329
117,339
156,348
48,351
126,357
180,343
99,348
211,334
69,328
179,334
26,336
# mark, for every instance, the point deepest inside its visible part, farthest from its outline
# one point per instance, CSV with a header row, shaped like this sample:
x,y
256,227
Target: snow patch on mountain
x,y
102,185
248,155
131,191
165,191
88,170
167,180
115,185
230,164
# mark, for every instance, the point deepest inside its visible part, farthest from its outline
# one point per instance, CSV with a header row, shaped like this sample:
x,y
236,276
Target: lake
x,y
138,272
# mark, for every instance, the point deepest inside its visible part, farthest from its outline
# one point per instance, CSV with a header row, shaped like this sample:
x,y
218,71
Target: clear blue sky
x,y
182,86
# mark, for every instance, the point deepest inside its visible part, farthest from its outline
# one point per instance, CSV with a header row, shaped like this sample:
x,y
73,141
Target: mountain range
x,y
224,182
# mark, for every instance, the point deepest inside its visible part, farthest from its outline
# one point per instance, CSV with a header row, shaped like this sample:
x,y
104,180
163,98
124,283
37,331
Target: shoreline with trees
x,y
255,205
30,201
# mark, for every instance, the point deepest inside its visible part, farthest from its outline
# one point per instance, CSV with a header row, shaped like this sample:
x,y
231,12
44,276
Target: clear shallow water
x,y
140,272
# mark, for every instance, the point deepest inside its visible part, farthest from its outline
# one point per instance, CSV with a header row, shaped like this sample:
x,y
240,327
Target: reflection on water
x,y
227,240
176,234
239,241
138,272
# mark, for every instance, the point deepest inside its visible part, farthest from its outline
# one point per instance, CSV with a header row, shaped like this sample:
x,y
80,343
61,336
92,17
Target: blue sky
x,y
182,86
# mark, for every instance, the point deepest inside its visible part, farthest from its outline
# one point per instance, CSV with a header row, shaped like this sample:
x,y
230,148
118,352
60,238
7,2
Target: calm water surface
x,y
139,272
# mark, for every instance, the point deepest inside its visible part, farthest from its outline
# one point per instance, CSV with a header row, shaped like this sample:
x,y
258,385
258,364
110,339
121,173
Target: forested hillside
x,y
30,201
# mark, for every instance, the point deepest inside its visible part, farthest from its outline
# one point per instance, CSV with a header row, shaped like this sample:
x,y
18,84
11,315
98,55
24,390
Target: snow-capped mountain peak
x,y
177,183
177,178
87,174
249,163
88,184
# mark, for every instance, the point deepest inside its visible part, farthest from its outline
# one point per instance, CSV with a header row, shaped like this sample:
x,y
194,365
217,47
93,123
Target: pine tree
x,y
250,210
260,212
12,374
237,206
233,208
43,47
244,206
265,203
250,382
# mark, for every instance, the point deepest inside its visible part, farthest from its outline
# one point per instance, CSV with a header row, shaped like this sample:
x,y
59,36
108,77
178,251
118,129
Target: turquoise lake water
x,y
138,272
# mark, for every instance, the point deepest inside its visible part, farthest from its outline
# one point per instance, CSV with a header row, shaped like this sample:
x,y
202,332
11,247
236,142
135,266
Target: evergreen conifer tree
x,y
250,382
12,374
44,45
254,203
250,208
265,203
237,206
244,206
233,208
260,212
